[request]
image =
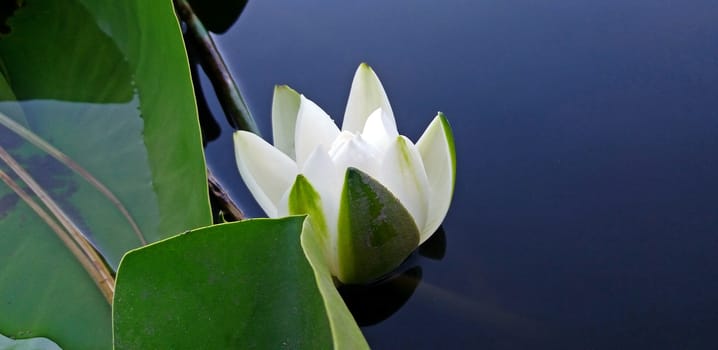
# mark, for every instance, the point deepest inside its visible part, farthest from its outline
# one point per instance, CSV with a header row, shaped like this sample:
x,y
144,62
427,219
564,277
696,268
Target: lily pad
x,y
108,84
237,285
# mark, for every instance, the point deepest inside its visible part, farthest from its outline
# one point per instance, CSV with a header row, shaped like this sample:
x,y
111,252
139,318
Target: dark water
x,y
586,206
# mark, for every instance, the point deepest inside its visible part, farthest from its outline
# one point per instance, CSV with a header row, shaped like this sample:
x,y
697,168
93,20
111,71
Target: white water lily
x,y
371,195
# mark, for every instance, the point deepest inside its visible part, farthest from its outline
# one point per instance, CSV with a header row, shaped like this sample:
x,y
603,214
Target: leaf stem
x,y
229,95
106,286
98,270
77,168
230,210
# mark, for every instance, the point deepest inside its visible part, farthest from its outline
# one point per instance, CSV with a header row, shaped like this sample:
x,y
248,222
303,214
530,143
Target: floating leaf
x,y
237,285
106,83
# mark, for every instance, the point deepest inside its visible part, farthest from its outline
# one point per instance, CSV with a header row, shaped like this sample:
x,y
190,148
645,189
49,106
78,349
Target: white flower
x,y
372,195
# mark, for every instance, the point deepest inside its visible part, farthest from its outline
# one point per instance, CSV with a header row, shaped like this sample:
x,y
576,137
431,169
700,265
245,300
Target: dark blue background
x,y
586,207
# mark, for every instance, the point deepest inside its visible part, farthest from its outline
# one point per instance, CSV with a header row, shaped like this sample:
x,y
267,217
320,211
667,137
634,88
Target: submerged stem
x,y
98,270
230,210
227,91
77,168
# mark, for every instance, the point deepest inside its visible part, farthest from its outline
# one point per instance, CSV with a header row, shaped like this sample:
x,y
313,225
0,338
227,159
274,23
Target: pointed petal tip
x,y
284,87
449,134
365,96
240,134
365,69
243,138
364,65
444,120
301,177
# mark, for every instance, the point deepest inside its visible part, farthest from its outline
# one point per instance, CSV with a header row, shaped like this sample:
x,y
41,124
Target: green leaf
x,y
238,285
27,344
108,84
376,232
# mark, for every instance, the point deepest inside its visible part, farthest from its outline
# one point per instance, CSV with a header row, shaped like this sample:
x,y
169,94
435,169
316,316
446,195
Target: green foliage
x,y
108,84
237,285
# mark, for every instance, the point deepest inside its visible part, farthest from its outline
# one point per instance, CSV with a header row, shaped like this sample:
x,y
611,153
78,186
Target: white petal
x,y
402,172
327,180
436,147
283,204
314,128
285,106
379,130
350,150
366,95
267,172
321,171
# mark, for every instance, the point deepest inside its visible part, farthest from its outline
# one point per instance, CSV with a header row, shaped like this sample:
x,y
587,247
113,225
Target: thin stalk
x,y
227,91
77,168
106,285
60,215
226,204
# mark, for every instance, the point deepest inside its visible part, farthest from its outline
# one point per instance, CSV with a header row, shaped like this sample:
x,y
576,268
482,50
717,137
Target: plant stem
x,y
65,221
105,284
226,204
77,168
227,91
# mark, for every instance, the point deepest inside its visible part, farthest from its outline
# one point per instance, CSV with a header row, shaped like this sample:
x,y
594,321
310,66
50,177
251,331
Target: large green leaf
x,y
108,84
239,285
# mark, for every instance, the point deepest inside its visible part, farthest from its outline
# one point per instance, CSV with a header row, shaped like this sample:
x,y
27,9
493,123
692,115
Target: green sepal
x,y
376,232
304,200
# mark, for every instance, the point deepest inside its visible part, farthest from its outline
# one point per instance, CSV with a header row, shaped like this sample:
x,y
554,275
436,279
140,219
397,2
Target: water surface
x,y
586,206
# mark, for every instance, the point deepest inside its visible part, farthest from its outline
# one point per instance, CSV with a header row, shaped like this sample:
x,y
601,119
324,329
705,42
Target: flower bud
x,y
371,195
